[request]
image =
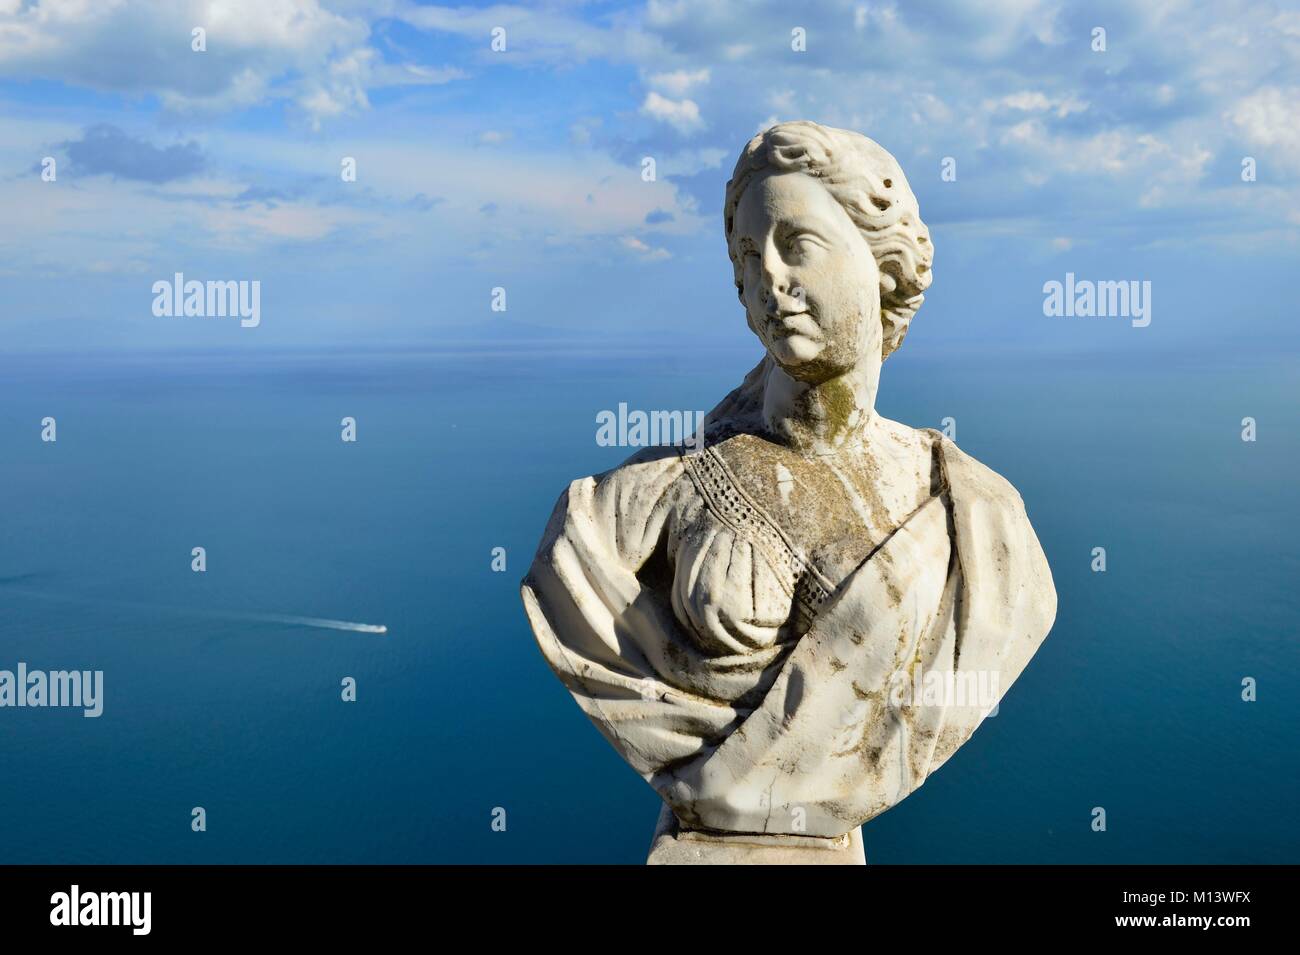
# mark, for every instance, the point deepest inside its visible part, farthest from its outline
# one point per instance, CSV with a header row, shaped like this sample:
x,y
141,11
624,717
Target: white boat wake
x,y
323,623
311,622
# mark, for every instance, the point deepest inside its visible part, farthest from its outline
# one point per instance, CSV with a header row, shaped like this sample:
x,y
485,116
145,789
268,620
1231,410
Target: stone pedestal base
x,y
673,845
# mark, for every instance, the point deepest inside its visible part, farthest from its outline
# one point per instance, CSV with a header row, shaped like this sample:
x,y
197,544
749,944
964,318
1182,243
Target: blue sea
x,y
1133,704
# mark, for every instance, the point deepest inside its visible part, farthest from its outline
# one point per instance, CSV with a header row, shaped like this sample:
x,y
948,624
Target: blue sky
x,y
522,168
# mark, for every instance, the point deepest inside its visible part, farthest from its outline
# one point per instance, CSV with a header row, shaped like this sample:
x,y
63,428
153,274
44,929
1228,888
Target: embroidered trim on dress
x,y
724,497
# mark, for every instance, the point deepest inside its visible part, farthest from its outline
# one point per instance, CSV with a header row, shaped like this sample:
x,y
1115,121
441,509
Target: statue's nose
x,y
775,284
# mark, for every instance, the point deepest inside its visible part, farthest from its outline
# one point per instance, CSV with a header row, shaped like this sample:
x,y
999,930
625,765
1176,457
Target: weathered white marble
x,y
673,845
756,627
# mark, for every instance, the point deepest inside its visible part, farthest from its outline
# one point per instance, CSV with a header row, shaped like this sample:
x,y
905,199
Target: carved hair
x,y
869,185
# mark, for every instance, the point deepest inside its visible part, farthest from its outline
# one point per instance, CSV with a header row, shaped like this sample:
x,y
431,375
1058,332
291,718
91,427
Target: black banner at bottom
x,y
336,904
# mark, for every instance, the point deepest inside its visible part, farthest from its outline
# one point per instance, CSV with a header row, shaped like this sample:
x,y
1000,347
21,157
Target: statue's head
x,y
831,256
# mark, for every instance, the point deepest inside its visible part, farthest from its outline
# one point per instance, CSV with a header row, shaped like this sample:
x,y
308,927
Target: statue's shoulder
x,y
969,479
1010,586
904,442
640,483
653,465
624,508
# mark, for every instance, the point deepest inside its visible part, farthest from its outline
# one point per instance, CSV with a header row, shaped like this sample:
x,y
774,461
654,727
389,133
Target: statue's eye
x,y
801,243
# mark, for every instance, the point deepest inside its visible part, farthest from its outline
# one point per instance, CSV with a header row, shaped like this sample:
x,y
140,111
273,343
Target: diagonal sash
x,y
830,745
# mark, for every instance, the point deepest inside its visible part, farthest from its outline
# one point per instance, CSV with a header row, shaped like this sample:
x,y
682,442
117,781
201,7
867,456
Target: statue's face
x,y
811,287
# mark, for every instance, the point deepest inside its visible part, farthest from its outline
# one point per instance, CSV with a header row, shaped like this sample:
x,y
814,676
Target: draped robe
x,y
810,734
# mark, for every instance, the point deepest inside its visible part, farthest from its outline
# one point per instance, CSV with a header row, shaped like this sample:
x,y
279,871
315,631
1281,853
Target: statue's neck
x,y
821,418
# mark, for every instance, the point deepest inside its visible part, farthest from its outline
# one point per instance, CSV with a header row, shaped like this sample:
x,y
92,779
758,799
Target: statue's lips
x,y
788,324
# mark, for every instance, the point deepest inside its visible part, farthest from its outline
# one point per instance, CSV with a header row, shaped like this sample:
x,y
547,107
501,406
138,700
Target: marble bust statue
x,y
747,622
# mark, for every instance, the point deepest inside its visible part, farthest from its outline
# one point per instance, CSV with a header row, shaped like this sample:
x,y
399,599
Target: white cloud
x,y
1035,101
548,34
682,115
678,82
285,197
877,15
688,162
782,101
645,252
294,50
1270,117
931,109
662,13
